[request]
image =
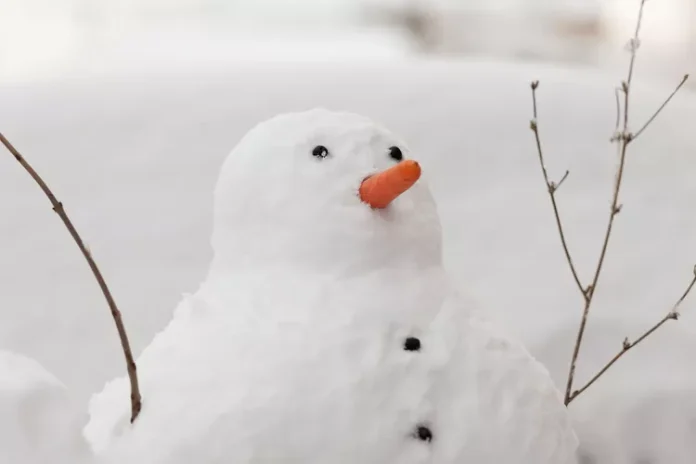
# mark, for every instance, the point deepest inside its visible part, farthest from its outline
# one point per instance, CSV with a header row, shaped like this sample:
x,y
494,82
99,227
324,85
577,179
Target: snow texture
x,y
293,348
39,422
133,154
645,417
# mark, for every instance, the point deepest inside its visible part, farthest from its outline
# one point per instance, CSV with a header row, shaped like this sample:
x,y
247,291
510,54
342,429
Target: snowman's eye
x,y
395,153
320,151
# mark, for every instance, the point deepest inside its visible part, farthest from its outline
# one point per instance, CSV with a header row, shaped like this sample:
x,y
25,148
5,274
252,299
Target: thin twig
x,y
624,139
552,187
136,401
618,111
626,346
659,110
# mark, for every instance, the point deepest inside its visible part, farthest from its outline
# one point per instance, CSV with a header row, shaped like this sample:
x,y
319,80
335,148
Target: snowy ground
x,y
39,421
134,155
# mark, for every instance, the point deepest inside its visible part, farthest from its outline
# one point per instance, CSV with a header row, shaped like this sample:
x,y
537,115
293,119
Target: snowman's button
x,y
412,344
423,433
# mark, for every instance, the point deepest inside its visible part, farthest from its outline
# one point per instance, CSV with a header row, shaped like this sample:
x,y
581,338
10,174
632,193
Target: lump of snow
x,y
39,424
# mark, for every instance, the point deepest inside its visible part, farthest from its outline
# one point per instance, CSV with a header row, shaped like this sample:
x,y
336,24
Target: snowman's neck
x,y
339,255
282,294
332,261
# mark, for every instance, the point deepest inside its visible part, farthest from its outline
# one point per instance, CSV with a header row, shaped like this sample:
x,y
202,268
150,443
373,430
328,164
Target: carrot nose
x,y
380,189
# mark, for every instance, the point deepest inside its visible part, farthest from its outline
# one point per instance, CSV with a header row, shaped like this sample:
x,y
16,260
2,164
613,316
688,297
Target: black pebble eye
x,y
320,151
412,344
423,433
395,153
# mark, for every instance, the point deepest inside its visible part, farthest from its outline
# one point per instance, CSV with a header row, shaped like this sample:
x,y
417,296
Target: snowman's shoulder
x,y
203,342
109,408
498,353
499,386
509,353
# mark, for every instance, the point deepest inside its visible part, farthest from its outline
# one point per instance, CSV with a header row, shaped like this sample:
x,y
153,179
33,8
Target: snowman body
x,y
331,334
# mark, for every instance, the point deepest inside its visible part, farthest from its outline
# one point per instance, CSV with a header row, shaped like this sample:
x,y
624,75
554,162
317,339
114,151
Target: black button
x,y
423,433
412,344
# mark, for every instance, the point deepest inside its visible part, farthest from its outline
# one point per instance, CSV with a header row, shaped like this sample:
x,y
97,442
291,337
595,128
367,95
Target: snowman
x,y
326,330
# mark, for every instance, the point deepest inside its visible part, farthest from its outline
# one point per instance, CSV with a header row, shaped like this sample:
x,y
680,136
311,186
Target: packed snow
x,y
134,156
40,423
294,349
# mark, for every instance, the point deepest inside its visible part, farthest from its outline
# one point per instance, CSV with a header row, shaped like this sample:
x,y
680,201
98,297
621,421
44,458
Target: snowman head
x,y
323,192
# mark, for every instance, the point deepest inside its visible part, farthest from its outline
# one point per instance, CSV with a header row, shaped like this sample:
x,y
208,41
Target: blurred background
x,y
42,38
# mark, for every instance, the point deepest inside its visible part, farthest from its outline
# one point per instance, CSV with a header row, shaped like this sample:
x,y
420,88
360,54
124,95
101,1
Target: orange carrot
x,y
380,189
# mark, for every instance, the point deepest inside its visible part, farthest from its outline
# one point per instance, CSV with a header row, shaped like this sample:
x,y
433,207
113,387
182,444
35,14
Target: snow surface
x,y
40,423
134,157
293,349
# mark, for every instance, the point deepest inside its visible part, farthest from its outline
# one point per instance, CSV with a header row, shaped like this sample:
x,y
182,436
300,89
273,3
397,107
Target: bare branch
x,y
614,211
624,137
618,111
136,401
634,44
552,187
659,110
672,315
555,186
